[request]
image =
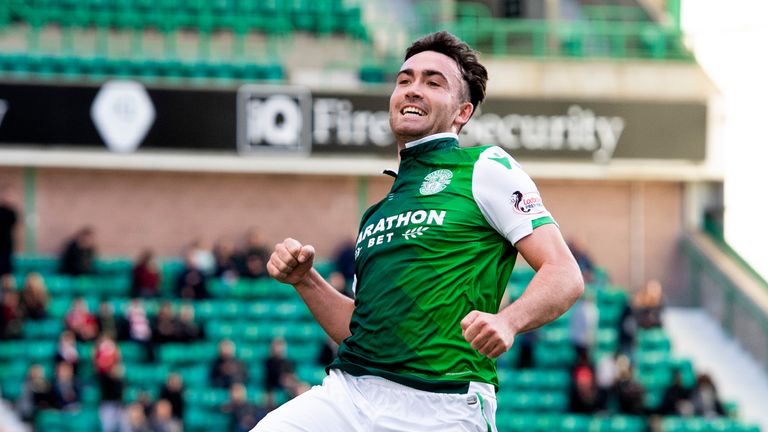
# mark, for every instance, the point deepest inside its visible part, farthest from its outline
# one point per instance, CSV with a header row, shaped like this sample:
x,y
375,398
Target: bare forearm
x,y
330,308
553,290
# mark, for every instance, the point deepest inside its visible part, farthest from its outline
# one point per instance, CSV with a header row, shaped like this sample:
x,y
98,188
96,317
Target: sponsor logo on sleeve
x,y
528,203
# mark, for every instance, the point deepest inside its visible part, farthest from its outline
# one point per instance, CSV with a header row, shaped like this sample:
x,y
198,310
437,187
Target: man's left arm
x,y
554,288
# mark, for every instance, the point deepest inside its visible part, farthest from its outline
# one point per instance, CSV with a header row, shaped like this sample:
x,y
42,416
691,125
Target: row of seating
x,y
316,16
522,422
24,65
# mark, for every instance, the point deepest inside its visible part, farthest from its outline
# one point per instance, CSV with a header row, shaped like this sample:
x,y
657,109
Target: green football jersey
x,y
438,246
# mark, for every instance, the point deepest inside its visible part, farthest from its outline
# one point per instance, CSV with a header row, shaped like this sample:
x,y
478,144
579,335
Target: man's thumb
x,y
306,253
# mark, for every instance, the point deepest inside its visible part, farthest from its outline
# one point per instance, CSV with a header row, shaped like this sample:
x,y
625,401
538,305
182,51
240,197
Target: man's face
x,y
427,98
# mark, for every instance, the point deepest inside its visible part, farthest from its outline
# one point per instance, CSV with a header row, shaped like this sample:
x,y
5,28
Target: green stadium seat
x,y
26,263
114,265
41,351
205,420
12,349
195,376
132,392
145,375
186,353
311,374
575,423
132,352
49,420
653,339
48,329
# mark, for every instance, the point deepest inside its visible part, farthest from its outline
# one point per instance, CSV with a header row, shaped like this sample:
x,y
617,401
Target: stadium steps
x,y
696,335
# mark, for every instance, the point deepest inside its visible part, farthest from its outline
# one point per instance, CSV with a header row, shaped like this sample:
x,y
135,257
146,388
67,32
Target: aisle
x,y
737,375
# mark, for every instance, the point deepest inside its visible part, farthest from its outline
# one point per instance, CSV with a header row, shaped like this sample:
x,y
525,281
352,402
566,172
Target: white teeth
x,y
413,110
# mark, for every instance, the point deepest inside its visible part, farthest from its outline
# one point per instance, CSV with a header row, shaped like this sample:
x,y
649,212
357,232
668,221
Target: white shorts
x,y
373,404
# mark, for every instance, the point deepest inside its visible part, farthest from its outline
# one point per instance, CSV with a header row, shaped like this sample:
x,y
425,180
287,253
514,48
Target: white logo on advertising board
x,y
273,119
123,114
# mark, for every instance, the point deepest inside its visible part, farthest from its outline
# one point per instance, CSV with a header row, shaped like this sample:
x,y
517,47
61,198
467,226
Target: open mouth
x,y
412,110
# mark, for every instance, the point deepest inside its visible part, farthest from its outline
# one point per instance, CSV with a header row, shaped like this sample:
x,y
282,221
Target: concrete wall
x,y
631,227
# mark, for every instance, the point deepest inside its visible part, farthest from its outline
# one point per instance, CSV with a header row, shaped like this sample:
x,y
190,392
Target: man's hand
x,y
489,334
291,261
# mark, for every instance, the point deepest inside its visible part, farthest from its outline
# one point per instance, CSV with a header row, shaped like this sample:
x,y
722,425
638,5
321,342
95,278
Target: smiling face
x,y
428,98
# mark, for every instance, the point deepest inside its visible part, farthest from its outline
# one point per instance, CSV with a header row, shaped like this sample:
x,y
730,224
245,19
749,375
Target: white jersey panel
x,y
506,195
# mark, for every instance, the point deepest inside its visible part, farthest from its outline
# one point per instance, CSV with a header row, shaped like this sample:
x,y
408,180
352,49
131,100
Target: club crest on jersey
x,y
527,203
436,181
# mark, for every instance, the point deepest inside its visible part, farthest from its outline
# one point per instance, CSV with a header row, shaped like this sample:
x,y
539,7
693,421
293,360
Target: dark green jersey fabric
x,y
438,246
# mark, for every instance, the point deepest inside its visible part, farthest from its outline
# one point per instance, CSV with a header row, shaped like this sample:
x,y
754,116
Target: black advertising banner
x,y
124,117
63,116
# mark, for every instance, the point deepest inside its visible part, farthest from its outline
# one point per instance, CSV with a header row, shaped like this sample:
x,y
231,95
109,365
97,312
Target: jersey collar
x,y
431,142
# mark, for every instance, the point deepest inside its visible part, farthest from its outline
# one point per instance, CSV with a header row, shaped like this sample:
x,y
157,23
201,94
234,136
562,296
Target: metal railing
x,y
717,283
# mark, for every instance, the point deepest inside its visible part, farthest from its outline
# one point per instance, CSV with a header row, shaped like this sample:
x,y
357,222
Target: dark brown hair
x,y
472,72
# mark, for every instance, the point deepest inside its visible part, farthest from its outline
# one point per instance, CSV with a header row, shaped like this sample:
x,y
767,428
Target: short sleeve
x,y
506,196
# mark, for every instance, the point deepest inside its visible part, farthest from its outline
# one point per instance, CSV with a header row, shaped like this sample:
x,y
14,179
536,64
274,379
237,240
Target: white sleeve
x,y
506,196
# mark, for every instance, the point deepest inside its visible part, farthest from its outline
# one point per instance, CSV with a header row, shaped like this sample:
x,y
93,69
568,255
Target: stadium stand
x,y
251,313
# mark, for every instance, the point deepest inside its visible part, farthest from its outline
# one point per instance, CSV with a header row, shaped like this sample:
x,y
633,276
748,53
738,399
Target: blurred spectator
x,y
81,321
244,414
65,390
7,283
166,326
189,330
34,297
676,399
627,329
582,324
8,219
66,350
580,252
630,393
225,257
337,280
191,284
583,393
203,256
106,355
139,329
526,342
279,371
144,400
11,316
111,406
605,378
226,369
146,276
134,419
162,419
79,256
35,394
173,392
345,259
706,402
107,321
649,304
328,351
255,255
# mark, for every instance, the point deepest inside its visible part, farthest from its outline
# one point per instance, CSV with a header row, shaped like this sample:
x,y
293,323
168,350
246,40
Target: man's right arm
x,y
291,263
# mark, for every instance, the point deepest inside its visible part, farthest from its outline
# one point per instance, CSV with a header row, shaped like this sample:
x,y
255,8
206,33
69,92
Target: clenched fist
x,y
291,261
489,334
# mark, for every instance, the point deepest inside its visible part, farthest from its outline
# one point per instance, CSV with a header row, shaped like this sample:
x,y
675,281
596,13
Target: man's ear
x,y
465,113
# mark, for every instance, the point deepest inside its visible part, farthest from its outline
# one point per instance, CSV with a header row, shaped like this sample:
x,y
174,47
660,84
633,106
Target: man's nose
x,y
414,91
